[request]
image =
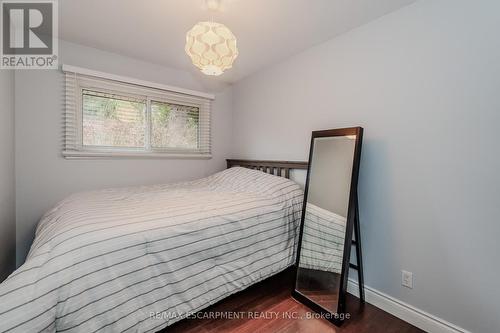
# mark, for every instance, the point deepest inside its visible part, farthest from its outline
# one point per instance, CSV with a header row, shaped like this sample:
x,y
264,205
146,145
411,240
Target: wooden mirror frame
x,y
352,222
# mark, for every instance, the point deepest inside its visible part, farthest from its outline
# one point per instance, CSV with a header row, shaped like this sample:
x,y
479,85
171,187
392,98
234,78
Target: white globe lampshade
x,y
211,47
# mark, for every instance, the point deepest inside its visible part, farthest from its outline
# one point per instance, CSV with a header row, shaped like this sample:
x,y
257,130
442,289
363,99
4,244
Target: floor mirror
x,y
330,221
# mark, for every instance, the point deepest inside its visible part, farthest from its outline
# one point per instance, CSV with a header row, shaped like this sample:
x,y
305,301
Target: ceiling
x,y
268,31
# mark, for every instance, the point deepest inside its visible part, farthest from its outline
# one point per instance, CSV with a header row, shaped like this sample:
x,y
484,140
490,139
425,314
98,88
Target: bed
x,y
142,258
323,240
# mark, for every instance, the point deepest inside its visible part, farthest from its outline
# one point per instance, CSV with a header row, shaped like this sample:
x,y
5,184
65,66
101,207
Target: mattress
x,y
139,259
322,240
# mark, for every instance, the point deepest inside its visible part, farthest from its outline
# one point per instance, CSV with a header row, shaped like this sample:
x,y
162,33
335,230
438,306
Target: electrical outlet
x,y
407,279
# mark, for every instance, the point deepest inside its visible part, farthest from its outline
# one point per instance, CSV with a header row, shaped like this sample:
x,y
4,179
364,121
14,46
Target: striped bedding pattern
x,y
322,240
139,259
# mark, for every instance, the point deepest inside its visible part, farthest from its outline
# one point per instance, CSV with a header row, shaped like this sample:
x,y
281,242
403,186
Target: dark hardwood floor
x,y
274,310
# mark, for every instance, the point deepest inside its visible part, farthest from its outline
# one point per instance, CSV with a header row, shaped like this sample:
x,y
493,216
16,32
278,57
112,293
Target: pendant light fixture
x,y
211,46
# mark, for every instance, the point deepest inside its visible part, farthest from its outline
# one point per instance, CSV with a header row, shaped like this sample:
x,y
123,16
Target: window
x,y
112,121
108,116
174,125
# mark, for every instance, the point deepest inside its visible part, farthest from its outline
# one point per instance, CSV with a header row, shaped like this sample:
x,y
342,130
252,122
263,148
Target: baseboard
x,y
404,311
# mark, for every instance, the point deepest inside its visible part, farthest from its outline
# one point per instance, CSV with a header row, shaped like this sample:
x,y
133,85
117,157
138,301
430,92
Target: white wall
x,y
43,176
424,83
7,190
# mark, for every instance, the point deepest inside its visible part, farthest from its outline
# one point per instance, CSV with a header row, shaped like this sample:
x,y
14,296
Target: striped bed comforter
x,y
322,240
139,259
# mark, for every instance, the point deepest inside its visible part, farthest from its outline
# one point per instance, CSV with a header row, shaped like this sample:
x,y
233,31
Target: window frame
x,y
145,91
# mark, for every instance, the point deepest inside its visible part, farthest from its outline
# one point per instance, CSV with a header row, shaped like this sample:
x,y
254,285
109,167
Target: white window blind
x,y
109,116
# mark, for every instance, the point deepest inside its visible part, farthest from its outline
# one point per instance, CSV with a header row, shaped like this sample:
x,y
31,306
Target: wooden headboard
x,y
278,168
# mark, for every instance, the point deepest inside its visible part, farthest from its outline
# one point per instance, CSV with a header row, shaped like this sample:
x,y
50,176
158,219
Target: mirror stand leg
x,y
359,258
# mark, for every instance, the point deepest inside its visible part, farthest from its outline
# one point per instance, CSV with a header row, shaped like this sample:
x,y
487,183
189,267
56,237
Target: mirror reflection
x,y
324,228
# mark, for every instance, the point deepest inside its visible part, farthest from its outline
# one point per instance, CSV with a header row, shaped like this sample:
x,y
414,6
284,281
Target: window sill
x,y
75,155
